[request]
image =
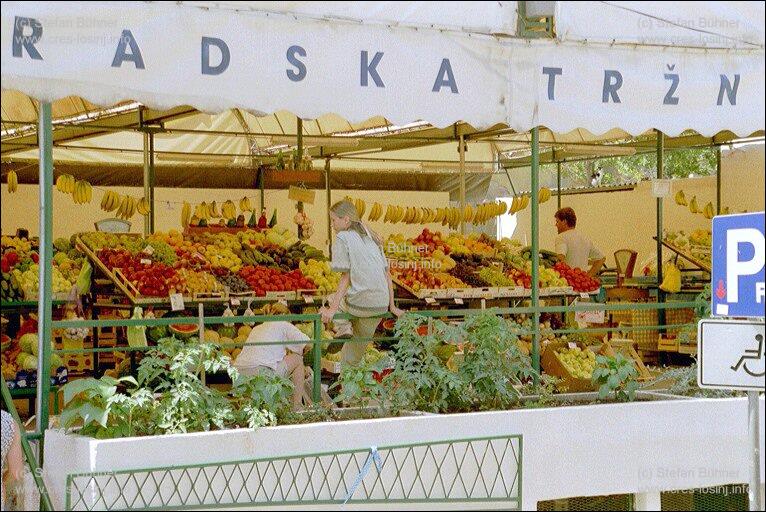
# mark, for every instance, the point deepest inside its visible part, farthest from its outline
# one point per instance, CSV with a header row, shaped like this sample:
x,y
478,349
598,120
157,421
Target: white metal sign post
x,y
732,356
731,352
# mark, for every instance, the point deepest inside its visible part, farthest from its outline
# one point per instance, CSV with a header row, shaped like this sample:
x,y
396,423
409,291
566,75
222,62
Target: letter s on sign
x,y
296,76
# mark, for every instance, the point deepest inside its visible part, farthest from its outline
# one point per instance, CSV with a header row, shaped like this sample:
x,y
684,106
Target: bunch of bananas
x,y
681,198
375,212
127,207
110,201
13,182
143,207
185,214
244,205
519,203
83,192
229,210
201,211
65,183
543,195
709,211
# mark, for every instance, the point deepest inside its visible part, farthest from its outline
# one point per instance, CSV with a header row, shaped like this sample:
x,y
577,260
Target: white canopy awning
x,y
384,60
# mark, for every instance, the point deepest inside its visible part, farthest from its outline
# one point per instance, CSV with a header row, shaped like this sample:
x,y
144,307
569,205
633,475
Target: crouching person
x,y
283,360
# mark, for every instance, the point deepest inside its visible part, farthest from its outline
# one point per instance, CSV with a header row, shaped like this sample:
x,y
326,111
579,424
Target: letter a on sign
x,y
738,265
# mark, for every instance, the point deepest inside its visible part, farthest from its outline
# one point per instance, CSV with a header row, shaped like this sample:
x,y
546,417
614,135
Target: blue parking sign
x,y
738,265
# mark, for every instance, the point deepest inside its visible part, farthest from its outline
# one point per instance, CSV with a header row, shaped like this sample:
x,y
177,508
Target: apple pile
x,y
153,279
432,242
577,278
265,279
520,277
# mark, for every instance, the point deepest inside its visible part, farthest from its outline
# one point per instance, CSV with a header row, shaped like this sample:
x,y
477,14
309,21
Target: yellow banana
x,y
244,204
389,211
709,211
60,183
70,184
524,201
13,181
725,210
213,207
693,205
185,214
680,198
143,206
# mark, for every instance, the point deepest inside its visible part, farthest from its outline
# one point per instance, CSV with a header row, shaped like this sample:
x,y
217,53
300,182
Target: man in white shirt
x,y
284,360
573,248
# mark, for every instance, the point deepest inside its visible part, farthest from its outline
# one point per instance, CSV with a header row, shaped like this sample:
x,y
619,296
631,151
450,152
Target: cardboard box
x,y
552,365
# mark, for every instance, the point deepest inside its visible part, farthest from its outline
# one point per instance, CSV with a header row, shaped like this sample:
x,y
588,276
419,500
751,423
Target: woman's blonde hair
x,y
346,208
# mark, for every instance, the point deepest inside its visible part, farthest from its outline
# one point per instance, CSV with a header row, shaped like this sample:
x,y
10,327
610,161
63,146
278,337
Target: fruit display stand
x,y
690,256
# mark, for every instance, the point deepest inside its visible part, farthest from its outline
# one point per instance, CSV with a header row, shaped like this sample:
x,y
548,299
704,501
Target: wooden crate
x,y
552,365
625,347
665,344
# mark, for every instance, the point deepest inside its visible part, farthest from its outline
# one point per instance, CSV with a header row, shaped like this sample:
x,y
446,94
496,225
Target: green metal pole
x,y
536,251
328,194
45,295
317,390
149,181
558,185
461,151
262,195
299,132
718,180
660,175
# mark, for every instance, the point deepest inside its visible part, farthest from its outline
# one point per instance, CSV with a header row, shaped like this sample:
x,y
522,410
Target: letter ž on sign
x,y
669,98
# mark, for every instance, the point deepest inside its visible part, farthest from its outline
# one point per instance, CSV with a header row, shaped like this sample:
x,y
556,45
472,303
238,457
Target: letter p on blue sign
x,y
738,265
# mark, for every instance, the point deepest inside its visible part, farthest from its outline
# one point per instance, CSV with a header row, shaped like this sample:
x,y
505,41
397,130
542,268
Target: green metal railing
x,y
487,469
29,456
317,341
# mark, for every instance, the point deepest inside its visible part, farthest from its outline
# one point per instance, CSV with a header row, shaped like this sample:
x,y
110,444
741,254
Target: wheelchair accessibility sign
x,y
731,355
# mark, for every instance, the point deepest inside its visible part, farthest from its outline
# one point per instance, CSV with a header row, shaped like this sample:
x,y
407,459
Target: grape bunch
x,y
233,281
468,275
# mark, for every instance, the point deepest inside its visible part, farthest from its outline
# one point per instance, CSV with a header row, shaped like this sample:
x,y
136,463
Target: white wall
x,y
640,447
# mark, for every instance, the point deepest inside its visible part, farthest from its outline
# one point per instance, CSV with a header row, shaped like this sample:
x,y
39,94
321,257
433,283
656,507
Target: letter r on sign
x,y
736,268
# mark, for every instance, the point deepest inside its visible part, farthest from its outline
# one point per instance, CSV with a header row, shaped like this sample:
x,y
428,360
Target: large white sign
x,y
731,355
165,55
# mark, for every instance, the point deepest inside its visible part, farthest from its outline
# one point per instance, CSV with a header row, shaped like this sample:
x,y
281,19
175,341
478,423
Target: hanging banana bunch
x,y
185,214
65,183
143,207
82,193
110,201
244,205
13,182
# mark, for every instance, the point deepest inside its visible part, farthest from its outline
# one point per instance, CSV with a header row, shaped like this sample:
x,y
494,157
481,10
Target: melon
x,y
211,336
227,331
244,331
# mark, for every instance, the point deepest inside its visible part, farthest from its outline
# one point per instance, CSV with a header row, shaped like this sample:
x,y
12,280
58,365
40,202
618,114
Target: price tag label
x,y
572,344
145,261
198,256
235,302
584,295
283,302
148,250
459,301
430,300
308,299
177,302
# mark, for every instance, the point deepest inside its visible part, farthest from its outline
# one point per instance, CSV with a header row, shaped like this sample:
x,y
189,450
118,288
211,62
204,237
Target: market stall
x,y
199,265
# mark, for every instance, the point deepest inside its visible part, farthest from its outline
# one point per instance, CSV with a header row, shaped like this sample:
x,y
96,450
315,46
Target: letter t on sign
x,y
551,72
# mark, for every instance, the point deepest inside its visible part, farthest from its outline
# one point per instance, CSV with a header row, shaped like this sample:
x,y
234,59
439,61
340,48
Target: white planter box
x,y
641,447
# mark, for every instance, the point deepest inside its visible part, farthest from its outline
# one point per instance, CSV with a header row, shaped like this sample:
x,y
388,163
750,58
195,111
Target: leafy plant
x,y
359,387
545,391
263,397
421,379
103,412
493,365
616,376
170,396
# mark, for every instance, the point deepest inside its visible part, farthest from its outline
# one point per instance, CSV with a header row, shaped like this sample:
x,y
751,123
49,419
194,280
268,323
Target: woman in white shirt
x,y
365,289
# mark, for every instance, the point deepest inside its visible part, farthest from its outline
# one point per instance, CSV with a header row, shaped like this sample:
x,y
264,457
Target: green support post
x,y
558,185
45,299
536,251
149,181
299,134
718,180
660,175
317,388
328,197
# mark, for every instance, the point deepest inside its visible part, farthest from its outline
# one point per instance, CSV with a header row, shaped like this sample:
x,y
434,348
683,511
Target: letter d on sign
x,y
736,268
